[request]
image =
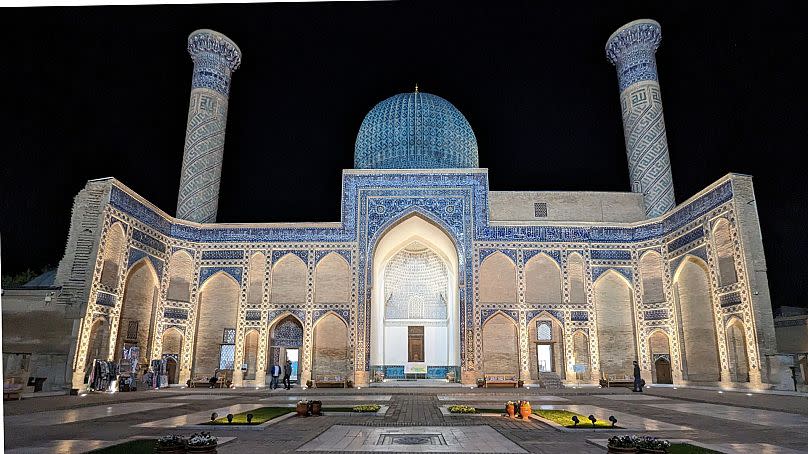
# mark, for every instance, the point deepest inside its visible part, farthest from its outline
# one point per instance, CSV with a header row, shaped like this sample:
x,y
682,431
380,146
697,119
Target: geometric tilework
x,y
530,253
485,314
730,299
253,315
598,270
137,254
688,237
606,254
215,58
631,49
106,299
148,240
208,271
579,316
278,254
656,314
227,254
415,131
344,314
175,313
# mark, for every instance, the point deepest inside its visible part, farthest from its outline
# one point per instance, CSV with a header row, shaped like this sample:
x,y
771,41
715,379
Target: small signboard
x,y
579,368
415,368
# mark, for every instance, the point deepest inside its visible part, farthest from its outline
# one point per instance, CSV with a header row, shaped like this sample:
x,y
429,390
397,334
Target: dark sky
x,y
92,92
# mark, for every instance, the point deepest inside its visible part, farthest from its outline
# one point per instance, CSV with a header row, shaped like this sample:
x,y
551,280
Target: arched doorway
x,y
330,349
659,348
98,345
500,346
172,351
662,370
736,351
545,346
616,342
285,343
137,314
415,306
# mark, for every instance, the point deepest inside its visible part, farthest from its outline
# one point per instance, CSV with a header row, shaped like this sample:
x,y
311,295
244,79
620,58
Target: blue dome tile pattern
x,y
415,131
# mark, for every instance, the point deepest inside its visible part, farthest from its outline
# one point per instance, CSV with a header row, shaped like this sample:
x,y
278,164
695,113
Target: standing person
x,y
287,373
637,379
275,371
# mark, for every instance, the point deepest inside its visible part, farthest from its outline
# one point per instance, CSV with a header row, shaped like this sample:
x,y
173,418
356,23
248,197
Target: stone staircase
x,y
550,380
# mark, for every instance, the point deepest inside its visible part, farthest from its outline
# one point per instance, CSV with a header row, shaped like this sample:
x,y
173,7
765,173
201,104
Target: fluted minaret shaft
x,y
631,49
215,58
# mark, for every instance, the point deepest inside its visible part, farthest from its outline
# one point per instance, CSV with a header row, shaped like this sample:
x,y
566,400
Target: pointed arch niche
x,y
696,320
218,311
137,313
616,340
403,253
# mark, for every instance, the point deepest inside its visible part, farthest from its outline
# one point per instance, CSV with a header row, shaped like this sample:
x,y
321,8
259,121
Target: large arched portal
x,y
415,309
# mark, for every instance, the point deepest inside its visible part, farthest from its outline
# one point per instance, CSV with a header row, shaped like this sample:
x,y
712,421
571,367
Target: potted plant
x,y
316,407
302,408
173,444
349,384
623,444
202,442
510,408
480,382
520,383
653,445
525,410
308,384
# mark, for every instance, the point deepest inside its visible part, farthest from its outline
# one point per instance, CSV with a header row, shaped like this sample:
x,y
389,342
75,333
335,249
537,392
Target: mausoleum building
x,y
429,273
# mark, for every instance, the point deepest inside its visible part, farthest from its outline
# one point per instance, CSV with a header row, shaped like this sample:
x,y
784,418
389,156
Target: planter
x,y
622,450
525,411
510,409
302,409
208,449
316,408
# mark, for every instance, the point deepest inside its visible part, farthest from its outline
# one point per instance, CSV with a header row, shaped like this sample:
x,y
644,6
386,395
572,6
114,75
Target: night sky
x,y
91,92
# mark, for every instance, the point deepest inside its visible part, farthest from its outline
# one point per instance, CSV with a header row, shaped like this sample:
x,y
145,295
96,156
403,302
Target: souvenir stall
x,y
128,368
103,376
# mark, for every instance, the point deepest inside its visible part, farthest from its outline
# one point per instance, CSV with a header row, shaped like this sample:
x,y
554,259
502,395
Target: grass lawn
x,y
130,447
684,448
564,418
260,415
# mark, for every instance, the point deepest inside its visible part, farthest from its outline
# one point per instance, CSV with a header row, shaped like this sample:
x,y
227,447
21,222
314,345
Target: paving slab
x,y
760,417
48,418
198,417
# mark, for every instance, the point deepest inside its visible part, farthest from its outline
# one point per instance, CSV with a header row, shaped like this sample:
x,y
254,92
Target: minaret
x,y
631,49
215,58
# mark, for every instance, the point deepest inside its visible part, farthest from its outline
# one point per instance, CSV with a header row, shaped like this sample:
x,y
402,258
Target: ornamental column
x,y
215,58
631,49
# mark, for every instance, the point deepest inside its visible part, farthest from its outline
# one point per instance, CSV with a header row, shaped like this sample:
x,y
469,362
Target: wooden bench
x,y
623,381
501,380
11,389
329,381
199,380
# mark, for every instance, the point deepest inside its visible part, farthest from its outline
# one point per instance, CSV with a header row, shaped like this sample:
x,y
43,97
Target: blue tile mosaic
x,y
485,314
685,239
656,314
175,313
106,299
436,372
730,299
597,271
530,253
136,254
207,271
610,254
223,254
579,316
252,316
394,372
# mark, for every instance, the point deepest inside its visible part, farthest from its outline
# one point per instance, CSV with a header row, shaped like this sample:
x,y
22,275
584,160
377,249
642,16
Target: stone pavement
x,y
413,422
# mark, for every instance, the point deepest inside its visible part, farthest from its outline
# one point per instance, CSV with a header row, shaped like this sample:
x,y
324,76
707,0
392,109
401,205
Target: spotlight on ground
x,y
593,419
249,418
213,416
613,420
230,418
575,419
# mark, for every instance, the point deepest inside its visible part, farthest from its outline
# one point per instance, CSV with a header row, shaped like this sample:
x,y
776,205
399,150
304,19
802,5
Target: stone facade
x,y
585,279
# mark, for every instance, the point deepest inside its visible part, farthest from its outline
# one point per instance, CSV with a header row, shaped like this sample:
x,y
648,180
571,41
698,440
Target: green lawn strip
x,y
564,418
130,447
260,416
685,448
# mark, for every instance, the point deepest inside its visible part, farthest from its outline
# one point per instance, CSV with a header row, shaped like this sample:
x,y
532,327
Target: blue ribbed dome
x,y
415,131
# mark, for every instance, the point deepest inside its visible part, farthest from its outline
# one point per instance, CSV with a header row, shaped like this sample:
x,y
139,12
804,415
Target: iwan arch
x,y
429,273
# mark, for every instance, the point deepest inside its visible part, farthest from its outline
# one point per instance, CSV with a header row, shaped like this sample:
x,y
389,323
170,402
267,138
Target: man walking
x,y
287,373
275,371
637,379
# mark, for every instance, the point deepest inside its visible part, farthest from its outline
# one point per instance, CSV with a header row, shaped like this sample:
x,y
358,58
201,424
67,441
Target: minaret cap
x,y
211,41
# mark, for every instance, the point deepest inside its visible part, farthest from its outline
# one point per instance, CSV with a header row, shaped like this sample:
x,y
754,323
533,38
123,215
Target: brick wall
x,y
542,280
289,280
218,309
181,269
497,279
575,269
500,347
140,292
616,345
330,350
698,324
332,280
651,275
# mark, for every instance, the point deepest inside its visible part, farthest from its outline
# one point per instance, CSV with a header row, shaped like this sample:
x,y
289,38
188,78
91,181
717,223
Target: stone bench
x,y
623,381
501,380
11,389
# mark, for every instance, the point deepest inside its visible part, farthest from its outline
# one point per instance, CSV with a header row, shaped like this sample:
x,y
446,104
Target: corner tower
x,y
631,49
215,58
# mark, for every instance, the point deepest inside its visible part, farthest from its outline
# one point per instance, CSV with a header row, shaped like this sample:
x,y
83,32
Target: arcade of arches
x,y
414,315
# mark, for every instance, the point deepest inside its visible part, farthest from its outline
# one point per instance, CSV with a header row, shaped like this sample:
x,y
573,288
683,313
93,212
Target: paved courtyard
x,y
413,421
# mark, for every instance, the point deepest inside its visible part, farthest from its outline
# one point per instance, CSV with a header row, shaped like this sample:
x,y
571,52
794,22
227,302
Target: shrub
x,y
170,440
624,441
653,443
202,439
462,409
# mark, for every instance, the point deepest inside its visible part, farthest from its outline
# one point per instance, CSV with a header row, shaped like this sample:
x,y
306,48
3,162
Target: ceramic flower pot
x,y
302,409
316,408
525,411
510,409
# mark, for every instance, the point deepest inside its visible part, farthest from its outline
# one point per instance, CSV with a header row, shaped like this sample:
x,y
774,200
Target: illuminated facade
x,y
429,273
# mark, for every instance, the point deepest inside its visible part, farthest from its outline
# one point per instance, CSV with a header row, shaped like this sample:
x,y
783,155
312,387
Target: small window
x,y
544,331
227,356
540,209
415,350
229,336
